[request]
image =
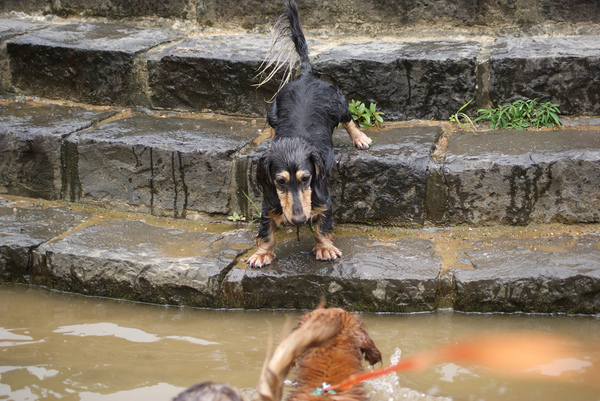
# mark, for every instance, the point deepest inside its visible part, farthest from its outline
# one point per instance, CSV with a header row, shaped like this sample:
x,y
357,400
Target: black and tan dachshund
x,y
294,173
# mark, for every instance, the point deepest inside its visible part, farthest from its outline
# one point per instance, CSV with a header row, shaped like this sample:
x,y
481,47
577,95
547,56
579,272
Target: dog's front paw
x,y
261,259
327,252
362,142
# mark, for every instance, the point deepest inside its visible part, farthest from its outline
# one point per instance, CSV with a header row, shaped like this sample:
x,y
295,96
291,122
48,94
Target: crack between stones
x,y
184,186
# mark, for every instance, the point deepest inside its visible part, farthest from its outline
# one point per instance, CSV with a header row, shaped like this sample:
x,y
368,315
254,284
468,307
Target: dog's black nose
x,y
298,220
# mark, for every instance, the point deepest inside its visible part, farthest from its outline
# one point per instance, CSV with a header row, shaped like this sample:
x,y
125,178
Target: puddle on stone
x,y
55,345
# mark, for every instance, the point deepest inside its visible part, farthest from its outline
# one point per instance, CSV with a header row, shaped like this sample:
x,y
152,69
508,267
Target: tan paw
x,y
329,252
362,141
261,259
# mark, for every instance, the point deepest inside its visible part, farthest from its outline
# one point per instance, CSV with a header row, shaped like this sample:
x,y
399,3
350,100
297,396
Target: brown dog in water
x,y
329,346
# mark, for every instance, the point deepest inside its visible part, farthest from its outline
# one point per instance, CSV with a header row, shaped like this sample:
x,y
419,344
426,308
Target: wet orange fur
x,y
335,361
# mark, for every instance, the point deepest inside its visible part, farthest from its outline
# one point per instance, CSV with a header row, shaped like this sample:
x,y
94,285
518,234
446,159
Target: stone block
x,y
519,177
560,70
386,184
8,29
215,73
395,276
171,165
424,80
136,261
24,227
85,62
31,146
544,275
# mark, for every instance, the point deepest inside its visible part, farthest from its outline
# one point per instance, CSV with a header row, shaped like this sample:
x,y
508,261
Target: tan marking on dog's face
x,y
303,177
294,193
282,179
286,199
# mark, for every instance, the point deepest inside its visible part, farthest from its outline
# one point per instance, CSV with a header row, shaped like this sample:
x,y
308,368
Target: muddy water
x,y
70,347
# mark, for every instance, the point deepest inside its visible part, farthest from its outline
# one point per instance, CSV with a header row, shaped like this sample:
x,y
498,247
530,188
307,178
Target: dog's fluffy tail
x,y
288,46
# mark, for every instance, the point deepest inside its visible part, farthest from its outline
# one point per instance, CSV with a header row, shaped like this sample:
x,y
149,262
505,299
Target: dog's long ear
x,y
319,184
367,346
265,181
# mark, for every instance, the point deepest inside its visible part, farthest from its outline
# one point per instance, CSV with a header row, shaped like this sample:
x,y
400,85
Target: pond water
x,y
70,347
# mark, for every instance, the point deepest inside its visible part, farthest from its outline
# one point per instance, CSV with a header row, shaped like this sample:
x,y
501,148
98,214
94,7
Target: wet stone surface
x,y
173,165
387,183
561,70
31,146
87,62
23,229
132,260
216,73
518,177
10,28
538,275
406,80
371,275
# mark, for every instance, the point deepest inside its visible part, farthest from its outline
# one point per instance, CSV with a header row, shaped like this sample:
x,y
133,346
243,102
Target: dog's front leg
x,y
324,248
359,138
265,241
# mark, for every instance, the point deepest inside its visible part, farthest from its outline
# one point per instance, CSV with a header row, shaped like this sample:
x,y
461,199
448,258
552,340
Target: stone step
x,y
197,165
118,64
545,269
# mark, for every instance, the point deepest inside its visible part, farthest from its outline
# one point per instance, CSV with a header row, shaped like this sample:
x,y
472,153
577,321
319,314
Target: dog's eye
x,y
305,179
280,181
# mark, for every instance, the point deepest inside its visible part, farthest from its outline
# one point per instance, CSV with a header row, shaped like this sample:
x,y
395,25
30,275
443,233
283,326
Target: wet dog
x,y
328,347
293,174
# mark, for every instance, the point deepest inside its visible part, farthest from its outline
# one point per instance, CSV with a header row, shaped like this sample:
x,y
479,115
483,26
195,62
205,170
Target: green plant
x,y
456,117
521,114
236,217
253,204
365,116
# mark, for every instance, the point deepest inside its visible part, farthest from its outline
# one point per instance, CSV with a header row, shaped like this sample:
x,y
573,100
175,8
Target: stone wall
x,y
350,15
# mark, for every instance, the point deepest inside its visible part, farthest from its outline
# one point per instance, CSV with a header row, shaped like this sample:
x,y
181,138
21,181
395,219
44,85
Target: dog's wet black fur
x,y
294,173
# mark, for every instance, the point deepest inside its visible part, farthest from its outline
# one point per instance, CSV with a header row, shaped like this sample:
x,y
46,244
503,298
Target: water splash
x,y
388,387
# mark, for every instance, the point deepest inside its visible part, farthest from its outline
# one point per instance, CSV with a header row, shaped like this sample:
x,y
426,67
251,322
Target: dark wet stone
x,y
175,165
10,28
400,276
216,73
87,62
560,70
387,183
518,177
23,229
429,79
543,275
31,139
136,261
